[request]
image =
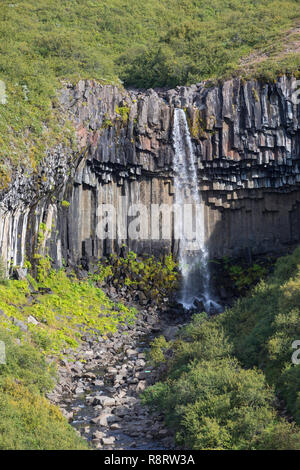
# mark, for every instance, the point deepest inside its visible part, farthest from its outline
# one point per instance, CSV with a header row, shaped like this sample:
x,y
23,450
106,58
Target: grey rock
x,y
32,320
20,324
170,332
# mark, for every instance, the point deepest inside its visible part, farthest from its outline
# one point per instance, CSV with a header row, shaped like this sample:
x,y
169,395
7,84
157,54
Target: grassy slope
x,y
66,311
214,401
145,43
27,419
262,328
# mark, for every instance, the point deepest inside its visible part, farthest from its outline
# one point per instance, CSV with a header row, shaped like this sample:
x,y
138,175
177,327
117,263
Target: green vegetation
x,y
240,276
41,317
262,328
27,419
222,375
159,347
123,112
64,307
144,43
65,204
156,278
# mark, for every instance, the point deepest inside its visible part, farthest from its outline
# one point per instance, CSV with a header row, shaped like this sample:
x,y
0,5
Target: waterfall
x,y
189,221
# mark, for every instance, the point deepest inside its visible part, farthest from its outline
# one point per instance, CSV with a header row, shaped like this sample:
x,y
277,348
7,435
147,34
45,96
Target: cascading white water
x,y
193,254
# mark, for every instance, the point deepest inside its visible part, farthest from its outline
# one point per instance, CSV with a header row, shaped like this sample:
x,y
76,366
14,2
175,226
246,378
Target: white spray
x,y
193,254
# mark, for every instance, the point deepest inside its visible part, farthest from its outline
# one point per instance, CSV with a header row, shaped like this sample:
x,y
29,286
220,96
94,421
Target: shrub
x,y
157,278
262,328
218,405
27,419
158,348
214,396
29,422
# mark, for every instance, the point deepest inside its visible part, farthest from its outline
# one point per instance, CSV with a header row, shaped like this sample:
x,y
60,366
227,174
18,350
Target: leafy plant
x,y
157,278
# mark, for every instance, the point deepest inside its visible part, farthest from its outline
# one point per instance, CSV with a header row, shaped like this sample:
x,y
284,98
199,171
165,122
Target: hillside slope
x,y
145,44
218,392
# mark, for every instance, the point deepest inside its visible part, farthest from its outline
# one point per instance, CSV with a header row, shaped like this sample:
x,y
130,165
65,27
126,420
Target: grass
x,y
65,309
263,326
145,44
226,373
72,309
29,422
27,419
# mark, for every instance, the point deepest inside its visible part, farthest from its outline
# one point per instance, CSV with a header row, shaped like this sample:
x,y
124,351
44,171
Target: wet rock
x,y
170,333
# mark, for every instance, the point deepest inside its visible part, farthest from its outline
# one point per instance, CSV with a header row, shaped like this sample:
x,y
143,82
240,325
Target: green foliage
x,y
244,278
123,112
65,204
262,328
146,43
217,391
157,278
43,267
158,347
212,402
27,420
25,363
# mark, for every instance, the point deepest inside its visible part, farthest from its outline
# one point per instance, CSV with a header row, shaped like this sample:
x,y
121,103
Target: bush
x,y
218,405
29,422
263,327
158,348
218,392
156,278
27,419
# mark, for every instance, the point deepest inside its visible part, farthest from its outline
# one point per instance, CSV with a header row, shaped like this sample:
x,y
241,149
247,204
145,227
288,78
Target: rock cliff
x,y
247,144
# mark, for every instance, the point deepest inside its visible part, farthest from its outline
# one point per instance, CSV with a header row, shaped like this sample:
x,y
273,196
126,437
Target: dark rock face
x,y
246,142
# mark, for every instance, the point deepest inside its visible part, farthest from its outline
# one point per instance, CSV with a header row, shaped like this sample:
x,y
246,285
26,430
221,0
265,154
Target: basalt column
x,y
246,142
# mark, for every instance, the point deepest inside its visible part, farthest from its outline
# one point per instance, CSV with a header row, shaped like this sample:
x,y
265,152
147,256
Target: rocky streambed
x,y
99,390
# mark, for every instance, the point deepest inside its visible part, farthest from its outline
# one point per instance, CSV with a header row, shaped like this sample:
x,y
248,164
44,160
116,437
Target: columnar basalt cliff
x,y
247,144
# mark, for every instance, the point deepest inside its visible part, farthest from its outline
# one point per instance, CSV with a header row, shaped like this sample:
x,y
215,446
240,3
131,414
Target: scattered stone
x,y
32,320
115,426
170,333
20,324
141,386
111,403
107,441
98,435
104,401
